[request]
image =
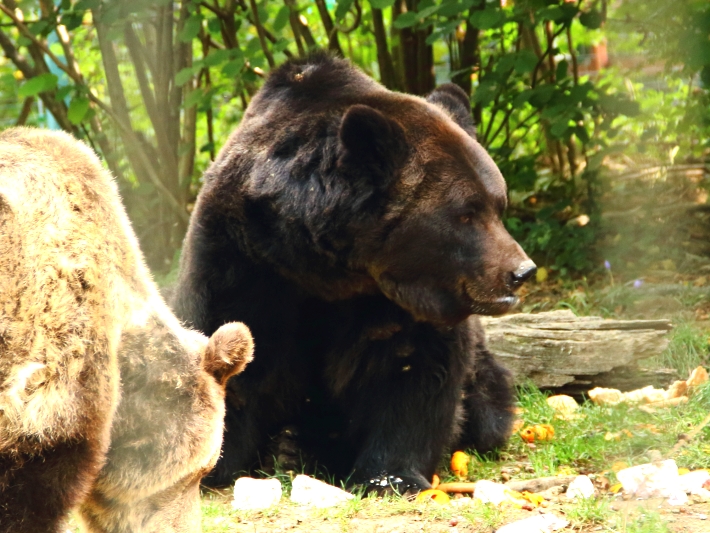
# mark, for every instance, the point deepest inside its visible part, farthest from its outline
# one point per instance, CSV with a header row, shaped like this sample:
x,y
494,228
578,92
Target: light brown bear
x,y
107,404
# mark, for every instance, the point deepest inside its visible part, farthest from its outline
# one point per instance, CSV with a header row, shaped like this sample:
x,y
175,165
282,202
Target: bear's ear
x,y
229,350
370,139
454,100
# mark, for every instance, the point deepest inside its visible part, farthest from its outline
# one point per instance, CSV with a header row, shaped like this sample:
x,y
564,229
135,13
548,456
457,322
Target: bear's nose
x,y
523,273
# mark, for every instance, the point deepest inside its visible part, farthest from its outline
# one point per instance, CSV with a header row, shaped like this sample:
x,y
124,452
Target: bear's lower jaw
x,y
500,306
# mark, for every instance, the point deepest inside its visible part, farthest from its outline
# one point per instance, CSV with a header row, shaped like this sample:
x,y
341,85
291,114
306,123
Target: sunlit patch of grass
x,y
588,511
597,437
688,348
644,521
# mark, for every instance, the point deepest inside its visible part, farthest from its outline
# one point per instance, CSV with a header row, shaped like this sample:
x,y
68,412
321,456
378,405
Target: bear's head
x,y
348,188
441,252
167,432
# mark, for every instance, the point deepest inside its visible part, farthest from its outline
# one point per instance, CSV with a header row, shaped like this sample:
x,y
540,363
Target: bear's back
x,y
65,263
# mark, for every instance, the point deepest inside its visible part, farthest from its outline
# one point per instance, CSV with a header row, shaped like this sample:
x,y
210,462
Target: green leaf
x,y
488,18
424,13
185,75
232,68
551,13
505,63
592,19
87,4
280,45
214,27
191,28
38,84
72,19
282,18
39,27
485,93
342,8
217,57
249,77
193,98
63,92
381,4
77,109
522,98
525,62
452,9
559,128
554,111
541,95
579,93
561,71
253,47
581,133
406,20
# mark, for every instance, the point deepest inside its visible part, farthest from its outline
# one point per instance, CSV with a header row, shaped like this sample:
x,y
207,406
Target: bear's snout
x,y
524,272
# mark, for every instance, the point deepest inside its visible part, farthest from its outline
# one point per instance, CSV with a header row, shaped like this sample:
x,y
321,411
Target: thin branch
x,y
500,127
388,76
303,28
261,33
573,55
356,21
121,118
133,45
330,29
543,56
44,48
25,112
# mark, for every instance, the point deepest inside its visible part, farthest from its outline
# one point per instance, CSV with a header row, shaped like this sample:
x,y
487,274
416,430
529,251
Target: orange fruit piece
x,y
435,495
527,434
459,464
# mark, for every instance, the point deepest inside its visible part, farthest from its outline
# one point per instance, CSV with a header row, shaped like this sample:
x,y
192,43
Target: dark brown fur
x,y
354,229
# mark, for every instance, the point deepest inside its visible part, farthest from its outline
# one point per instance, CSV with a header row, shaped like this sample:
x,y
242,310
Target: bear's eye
x,y
466,219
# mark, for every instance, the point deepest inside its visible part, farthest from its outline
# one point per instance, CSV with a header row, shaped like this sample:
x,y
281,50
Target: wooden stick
x,y
461,487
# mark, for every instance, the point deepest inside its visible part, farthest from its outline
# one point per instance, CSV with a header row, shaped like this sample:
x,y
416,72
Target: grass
x,y
599,441
687,348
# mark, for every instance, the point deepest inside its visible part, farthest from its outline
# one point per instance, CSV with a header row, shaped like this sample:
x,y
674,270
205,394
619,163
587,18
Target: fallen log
x,y
558,349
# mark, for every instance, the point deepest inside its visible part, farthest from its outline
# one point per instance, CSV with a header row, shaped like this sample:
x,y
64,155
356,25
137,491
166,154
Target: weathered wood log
x,y
557,348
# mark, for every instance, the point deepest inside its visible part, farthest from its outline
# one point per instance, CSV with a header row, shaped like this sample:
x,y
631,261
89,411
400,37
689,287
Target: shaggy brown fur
x,y
106,401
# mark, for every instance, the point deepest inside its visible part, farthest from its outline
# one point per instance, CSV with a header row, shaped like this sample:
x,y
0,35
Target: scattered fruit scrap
x,y
434,495
459,464
564,406
538,432
649,398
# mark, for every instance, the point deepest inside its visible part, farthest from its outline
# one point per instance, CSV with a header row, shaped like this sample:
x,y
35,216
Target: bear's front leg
x,y
403,404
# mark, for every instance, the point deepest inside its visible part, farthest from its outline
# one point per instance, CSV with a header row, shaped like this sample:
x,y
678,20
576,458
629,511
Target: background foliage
x,y
157,85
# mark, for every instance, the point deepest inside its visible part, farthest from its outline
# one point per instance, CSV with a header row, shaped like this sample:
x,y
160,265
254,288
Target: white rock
x,y
490,492
461,502
653,480
581,487
251,494
543,523
308,491
692,482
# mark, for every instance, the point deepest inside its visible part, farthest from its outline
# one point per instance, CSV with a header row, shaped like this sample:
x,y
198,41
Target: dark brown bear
x,y
354,230
106,402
